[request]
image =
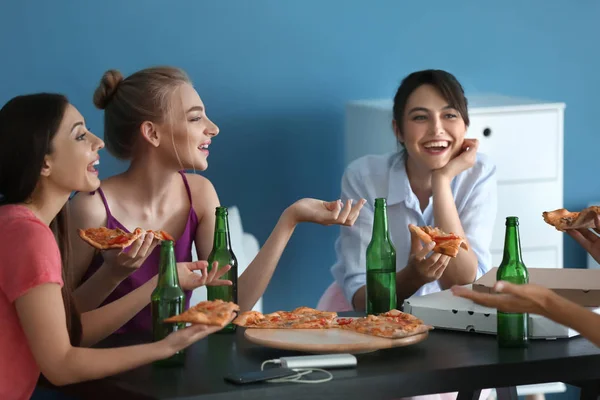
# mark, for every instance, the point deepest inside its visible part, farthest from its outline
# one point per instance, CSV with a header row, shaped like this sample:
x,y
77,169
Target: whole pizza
x,y
393,324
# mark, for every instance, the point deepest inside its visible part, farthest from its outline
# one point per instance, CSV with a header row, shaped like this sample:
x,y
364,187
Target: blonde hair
x,y
147,95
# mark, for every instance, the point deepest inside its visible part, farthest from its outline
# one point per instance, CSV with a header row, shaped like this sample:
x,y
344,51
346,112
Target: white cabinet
x,y
523,137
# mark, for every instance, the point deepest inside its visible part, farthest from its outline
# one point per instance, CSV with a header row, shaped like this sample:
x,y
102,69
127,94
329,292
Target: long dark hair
x,y
27,126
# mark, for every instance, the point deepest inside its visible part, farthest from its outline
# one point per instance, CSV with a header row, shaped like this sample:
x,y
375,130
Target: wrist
x,y
289,218
115,273
409,277
440,179
165,349
550,301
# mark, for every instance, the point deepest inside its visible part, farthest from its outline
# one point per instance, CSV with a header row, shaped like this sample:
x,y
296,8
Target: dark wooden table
x,y
445,362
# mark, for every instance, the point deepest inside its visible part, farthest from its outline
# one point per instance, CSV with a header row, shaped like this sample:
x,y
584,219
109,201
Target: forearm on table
x,y
80,364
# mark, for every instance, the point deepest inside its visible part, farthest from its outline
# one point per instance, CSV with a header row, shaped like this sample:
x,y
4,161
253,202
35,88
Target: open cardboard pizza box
x,y
443,310
581,286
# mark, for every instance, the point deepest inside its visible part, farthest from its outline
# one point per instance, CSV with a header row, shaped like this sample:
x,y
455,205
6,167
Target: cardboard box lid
x,y
579,285
446,311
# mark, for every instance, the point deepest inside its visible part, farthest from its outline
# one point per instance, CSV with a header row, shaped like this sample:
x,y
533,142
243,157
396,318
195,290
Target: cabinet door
x,y
527,201
523,145
533,258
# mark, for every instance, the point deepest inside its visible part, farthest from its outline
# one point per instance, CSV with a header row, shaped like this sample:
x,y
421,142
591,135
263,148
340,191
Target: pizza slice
x,y
256,319
249,318
390,316
103,238
562,219
445,243
397,315
308,312
300,318
313,321
215,313
162,235
392,325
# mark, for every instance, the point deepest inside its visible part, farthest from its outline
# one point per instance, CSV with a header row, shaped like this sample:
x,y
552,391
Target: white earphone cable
x,y
300,373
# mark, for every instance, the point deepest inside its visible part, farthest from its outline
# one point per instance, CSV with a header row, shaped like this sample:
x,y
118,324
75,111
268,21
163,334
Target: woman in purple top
x,y
155,119
148,262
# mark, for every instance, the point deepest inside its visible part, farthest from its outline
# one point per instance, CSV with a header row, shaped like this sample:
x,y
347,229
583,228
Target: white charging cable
x,y
300,373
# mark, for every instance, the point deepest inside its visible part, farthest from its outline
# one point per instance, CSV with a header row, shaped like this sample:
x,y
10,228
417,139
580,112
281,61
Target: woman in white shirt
x,y
436,178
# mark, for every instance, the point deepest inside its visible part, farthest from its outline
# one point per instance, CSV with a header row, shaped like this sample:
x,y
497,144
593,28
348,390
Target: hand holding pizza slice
x,y
104,238
445,243
208,312
123,251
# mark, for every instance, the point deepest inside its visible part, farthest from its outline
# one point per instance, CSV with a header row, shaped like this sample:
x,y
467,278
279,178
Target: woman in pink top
x,y
46,152
156,120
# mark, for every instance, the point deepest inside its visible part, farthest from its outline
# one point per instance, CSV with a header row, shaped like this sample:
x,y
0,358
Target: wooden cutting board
x,y
326,340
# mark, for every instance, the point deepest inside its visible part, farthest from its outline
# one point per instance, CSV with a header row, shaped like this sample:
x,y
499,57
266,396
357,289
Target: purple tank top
x,y
183,252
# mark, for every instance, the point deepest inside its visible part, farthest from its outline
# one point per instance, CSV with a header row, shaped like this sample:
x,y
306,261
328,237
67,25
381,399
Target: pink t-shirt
x,y
29,257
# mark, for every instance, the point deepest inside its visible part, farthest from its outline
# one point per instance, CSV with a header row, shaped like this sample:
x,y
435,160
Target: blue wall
x,y
275,76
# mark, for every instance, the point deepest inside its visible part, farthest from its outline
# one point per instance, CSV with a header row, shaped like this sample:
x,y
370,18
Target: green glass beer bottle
x,y
381,264
512,328
223,255
167,300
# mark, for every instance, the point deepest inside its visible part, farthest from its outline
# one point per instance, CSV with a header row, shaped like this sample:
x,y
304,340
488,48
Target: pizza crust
x,y
419,329
248,317
162,235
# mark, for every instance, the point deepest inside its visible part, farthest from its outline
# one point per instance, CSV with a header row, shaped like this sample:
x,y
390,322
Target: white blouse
x,y
373,176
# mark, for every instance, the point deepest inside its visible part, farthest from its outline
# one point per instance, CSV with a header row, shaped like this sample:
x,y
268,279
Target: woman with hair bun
x,y
156,120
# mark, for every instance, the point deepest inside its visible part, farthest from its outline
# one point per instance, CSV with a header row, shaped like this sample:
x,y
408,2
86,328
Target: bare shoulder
x,y
87,209
201,187
204,194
